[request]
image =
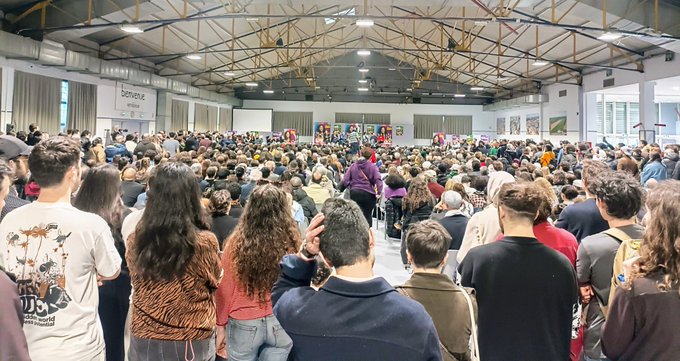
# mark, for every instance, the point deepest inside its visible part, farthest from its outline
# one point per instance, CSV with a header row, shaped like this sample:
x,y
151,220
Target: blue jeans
x,y
143,349
262,339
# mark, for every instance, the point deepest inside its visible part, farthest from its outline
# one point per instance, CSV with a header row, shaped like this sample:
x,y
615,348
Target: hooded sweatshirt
x,y
483,227
363,175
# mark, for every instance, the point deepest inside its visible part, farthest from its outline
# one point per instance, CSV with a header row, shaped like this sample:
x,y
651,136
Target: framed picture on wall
x,y
500,126
558,124
514,125
533,124
399,130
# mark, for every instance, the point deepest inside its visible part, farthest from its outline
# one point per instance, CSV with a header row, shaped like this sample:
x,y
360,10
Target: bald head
x,y
296,182
129,174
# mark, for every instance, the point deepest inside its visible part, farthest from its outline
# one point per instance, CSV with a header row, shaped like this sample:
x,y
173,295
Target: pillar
x,y
164,111
589,128
648,115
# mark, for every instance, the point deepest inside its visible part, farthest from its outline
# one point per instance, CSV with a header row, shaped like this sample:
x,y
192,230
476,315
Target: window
x,y
620,120
63,110
600,116
609,118
350,11
634,119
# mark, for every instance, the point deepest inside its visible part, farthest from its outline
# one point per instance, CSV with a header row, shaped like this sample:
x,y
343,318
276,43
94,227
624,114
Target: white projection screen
x,y
246,120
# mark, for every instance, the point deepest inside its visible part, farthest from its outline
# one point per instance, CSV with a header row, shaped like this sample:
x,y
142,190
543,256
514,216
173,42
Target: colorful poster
x,y
290,136
337,128
369,129
349,128
484,138
558,124
438,138
455,138
533,124
322,132
514,125
400,130
500,126
384,133
276,136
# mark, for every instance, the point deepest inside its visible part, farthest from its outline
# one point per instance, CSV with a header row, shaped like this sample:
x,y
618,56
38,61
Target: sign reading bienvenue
x,y
132,98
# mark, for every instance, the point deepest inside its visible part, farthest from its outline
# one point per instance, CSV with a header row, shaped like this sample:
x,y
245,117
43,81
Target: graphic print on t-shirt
x,y
37,258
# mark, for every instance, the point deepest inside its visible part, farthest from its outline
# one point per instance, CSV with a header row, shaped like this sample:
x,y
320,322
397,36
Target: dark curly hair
x,y
265,233
622,194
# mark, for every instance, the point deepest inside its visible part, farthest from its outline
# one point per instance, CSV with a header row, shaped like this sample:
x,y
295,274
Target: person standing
x,y
14,152
643,318
454,221
364,183
57,254
171,145
99,193
251,266
619,199
353,140
526,291
175,268
416,206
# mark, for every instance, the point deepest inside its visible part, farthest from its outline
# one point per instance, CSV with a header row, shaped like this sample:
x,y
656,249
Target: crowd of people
x,y
204,246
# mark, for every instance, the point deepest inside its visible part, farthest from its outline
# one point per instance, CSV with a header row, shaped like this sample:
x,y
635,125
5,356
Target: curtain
x,y
425,125
82,106
349,118
200,117
212,118
37,99
300,121
377,118
179,117
225,119
458,124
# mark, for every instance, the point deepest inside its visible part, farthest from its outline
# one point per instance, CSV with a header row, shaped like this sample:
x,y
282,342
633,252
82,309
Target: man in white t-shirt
x,y
57,252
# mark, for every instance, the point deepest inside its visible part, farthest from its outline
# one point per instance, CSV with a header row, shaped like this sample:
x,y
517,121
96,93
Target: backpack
x,y
628,251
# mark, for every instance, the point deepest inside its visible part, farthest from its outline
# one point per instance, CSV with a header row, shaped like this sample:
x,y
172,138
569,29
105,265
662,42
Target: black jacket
x,y
582,219
307,203
455,225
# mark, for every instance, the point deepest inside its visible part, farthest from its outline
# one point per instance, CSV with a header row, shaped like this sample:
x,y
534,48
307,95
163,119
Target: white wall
x,y
655,68
192,108
400,114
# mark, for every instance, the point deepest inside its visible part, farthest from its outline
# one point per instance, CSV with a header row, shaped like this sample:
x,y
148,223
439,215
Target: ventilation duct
x,y
18,47
193,92
52,53
177,87
139,77
204,94
82,63
113,71
523,101
158,82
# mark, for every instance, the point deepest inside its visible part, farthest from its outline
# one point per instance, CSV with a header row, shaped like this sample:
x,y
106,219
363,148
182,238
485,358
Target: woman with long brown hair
x,y
417,205
643,318
265,233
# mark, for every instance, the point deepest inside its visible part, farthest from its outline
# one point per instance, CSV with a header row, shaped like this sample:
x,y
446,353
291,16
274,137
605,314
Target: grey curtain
x,y
37,99
349,118
212,118
82,106
458,124
179,117
226,123
200,117
377,118
300,121
425,125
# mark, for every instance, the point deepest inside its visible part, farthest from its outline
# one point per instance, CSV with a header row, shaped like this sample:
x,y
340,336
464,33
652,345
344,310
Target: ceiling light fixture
x,y
481,22
540,62
610,36
228,73
131,29
194,57
409,89
502,78
251,84
268,91
459,95
364,22
476,88
363,81
364,52
416,81
392,69
676,88
362,89
252,19
317,87
363,70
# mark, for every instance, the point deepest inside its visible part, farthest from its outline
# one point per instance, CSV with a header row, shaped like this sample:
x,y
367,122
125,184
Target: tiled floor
x,y
387,259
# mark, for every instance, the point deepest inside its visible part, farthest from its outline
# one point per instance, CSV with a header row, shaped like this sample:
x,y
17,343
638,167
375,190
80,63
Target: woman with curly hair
x,y
222,223
417,205
265,233
642,322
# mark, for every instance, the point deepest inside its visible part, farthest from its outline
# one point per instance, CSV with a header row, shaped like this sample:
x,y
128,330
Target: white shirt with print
x,y
56,252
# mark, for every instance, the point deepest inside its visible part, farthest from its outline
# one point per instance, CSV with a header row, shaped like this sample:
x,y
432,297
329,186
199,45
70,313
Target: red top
x,y
557,239
436,189
373,157
232,301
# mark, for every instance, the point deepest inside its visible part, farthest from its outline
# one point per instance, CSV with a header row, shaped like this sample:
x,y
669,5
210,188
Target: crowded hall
x,y
368,180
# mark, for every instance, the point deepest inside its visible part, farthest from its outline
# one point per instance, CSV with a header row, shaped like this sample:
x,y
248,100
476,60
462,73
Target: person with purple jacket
x,y
364,183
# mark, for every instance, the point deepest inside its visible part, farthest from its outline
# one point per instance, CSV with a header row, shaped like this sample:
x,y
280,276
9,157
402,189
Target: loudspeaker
x,y
309,97
416,100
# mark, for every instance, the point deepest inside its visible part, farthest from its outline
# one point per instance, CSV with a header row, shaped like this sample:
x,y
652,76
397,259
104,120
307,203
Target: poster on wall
x,y
337,128
140,102
353,127
514,125
399,130
500,126
322,132
558,124
276,136
533,124
290,136
369,129
484,138
384,133
438,138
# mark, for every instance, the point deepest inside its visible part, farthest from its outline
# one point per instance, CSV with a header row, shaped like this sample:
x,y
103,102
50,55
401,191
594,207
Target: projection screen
x,y
246,120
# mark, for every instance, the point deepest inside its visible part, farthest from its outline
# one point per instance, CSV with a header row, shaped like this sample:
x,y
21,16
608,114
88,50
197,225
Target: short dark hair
x,y
344,240
622,194
570,192
427,242
235,190
524,199
367,152
480,183
51,159
591,170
